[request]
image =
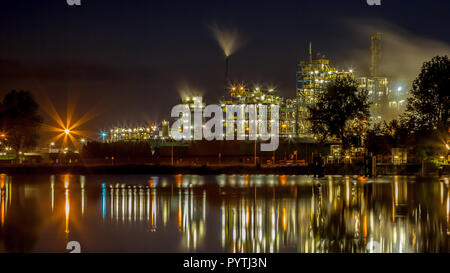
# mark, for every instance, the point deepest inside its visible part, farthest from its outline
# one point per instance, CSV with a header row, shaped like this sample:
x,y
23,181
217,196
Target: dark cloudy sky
x,y
130,57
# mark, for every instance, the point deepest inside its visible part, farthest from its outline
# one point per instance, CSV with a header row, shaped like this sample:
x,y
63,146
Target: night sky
x,y
130,58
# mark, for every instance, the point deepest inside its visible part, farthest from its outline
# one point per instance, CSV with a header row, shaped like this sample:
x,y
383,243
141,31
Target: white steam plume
x,y
229,40
403,53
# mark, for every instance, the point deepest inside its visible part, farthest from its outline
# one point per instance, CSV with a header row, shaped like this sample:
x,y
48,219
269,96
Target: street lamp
x,y
67,131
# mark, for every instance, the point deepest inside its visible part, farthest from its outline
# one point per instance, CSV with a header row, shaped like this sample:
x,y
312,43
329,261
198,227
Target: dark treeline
x,y
19,121
341,114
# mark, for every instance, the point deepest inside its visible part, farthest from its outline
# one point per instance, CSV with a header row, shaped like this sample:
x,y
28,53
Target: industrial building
x,y
378,91
388,101
313,76
133,133
288,118
195,103
241,94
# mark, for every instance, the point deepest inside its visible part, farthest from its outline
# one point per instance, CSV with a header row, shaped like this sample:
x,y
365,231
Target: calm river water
x,y
225,213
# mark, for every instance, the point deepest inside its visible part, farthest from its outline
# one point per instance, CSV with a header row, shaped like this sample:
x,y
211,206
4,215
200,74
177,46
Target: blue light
x,y
103,202
103,135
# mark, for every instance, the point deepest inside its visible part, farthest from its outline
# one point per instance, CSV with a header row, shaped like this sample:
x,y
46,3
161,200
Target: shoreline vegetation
x,y
410,169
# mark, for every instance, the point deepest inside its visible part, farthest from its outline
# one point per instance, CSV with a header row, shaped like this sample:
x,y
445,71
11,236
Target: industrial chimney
x,y
227,71
376,54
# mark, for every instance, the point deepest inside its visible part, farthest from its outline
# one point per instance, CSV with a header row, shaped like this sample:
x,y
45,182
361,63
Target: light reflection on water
x,y
225,213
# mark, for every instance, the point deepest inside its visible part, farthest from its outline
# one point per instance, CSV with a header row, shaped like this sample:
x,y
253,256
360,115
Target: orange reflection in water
x,y
2,180
179,212
3,195
178,179
2,218
67,210
317,219
283,180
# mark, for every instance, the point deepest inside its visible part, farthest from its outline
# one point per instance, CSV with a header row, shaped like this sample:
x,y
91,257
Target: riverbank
x,y
207,169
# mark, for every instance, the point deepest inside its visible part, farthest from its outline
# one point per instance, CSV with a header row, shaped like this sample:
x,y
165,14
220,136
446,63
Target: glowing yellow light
x,y
67,130
396,192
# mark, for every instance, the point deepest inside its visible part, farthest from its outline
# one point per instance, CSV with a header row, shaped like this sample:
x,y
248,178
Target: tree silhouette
x,y
341,112
429,104
397,132
20,120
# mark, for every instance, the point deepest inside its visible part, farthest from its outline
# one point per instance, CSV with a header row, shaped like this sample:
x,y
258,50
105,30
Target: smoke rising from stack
x,y
229,41
186,90
402,53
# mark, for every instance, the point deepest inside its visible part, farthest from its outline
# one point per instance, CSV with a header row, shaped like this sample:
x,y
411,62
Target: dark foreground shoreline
x,y
205,169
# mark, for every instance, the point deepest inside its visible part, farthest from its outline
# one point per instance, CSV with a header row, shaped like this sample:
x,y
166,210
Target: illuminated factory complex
x,y
312,77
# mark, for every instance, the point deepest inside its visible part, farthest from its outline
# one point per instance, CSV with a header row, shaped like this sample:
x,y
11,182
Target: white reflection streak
x,y
396,193
347,184
153,210
134,205
222,212
186,212
117,205
112,203
52,189
124,196
82,182
204,205
191,201
448,205
129,205
148,205
141,205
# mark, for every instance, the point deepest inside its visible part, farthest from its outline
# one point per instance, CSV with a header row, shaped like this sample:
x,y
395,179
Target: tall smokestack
x,y
376,54
227,71
310,52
